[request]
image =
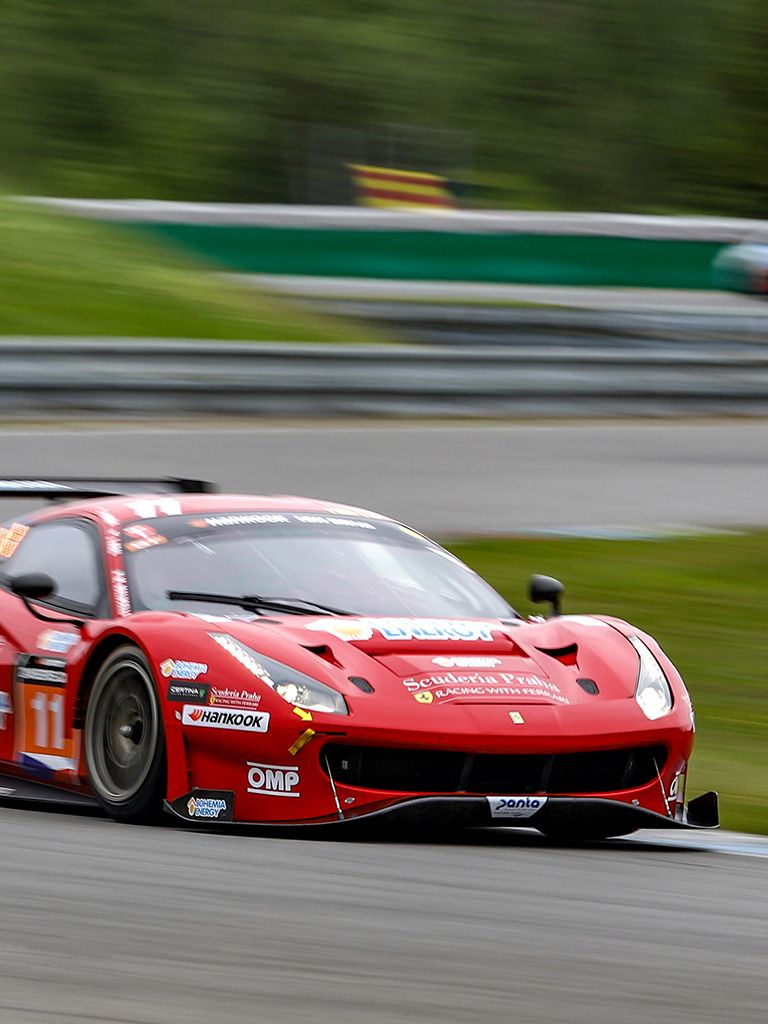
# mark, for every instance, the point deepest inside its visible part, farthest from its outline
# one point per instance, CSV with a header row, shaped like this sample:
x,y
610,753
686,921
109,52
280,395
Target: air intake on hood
x,y
565,655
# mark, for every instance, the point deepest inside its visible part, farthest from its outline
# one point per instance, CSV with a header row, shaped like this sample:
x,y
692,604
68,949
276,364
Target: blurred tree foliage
x,y
592,104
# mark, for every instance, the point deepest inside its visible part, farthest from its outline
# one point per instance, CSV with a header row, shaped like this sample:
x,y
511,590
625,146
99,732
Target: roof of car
x,y
127,508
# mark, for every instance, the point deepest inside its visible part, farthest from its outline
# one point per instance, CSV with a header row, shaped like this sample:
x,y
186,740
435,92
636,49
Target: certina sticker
x,y
188,693
172,669
206,805
406,629
515,806
482,686
466,662
272,779
240,719
56,642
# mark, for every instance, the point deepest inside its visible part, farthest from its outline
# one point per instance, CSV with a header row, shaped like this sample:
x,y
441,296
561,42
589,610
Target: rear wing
x,y
57,488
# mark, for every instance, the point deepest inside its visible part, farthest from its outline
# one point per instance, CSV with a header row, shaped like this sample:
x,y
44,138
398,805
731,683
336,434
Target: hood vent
x,y
565,655
324,651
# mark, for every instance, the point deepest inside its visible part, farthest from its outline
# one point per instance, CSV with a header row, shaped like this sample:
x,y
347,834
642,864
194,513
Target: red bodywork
x,y
496,714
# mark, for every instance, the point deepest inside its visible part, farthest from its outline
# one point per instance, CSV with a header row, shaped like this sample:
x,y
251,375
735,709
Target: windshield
x,y
365,566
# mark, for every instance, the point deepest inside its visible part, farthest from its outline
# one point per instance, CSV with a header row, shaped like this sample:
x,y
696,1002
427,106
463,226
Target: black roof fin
x,y
54,488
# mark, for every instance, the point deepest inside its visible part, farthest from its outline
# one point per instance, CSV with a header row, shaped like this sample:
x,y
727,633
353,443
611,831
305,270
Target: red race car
x,y
287,661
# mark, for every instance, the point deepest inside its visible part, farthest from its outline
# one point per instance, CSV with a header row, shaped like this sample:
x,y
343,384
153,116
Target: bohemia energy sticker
x,y
205,805
515,806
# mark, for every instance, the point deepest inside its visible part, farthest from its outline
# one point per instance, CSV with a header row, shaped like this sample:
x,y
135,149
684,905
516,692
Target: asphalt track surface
x,y
101,922
606,478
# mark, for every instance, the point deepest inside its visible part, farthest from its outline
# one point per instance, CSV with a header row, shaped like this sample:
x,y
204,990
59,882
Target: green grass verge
x,y
704,599
61,275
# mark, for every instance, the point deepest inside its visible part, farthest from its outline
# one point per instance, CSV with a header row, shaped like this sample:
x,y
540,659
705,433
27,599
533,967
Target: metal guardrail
x,y
123,376
624,225
457,324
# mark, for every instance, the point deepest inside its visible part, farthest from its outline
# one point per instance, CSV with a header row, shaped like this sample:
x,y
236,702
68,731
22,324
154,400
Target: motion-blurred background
x,y
519,210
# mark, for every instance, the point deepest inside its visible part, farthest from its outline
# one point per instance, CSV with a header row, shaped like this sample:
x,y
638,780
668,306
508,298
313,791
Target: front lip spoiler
x,y
562,812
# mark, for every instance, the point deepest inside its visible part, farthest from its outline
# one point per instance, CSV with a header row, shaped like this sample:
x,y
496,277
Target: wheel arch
x,y
177,772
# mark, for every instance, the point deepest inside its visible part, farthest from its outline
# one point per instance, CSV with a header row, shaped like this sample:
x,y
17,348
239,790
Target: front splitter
x,y
577,814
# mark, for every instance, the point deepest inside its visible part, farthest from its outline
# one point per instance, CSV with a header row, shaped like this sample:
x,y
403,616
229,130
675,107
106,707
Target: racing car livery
x,y
288,661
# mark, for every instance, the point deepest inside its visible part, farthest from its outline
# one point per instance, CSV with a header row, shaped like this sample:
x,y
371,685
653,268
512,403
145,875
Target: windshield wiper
x,y
255,602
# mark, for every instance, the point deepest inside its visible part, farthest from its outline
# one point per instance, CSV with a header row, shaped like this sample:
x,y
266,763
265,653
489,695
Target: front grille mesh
x,y
440,771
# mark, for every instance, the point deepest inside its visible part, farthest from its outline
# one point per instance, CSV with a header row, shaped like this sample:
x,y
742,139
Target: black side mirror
x,y
545,588
34,586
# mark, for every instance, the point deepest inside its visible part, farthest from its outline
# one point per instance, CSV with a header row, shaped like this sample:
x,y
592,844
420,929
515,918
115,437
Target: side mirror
x,y
545,588
33,586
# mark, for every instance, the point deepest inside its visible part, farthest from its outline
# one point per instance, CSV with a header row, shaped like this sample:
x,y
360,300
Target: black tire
x,y
124,739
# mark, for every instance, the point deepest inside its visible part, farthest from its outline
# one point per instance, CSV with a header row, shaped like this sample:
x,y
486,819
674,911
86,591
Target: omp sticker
x,y
515,806
240,719
406,629
273,779
173,669
11,537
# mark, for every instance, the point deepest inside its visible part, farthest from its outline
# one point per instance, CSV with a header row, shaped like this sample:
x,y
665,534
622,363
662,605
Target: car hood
x,y
561,661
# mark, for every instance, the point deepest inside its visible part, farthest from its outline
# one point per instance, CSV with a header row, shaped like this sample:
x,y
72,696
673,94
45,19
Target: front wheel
x,y
124,738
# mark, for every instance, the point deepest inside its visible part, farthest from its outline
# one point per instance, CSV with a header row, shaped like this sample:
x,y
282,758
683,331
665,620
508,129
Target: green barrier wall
x,y
443,256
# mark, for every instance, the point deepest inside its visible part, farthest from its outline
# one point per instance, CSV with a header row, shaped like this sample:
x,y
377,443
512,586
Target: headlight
x,y
652,692
293,686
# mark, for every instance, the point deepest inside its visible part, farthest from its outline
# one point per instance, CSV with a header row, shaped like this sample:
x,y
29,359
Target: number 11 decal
x,y
41,739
